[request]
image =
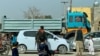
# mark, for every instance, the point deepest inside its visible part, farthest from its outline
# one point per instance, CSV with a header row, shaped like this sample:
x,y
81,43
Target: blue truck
x,y
73,21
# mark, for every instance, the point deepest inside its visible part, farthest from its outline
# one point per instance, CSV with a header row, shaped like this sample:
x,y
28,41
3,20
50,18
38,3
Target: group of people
x,y
11,40
80,43
42,47
41,42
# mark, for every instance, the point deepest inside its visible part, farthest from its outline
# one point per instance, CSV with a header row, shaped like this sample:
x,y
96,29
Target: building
x,y
96,17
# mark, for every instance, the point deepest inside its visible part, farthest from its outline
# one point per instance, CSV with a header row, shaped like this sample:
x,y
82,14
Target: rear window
x,y
97,34
30,33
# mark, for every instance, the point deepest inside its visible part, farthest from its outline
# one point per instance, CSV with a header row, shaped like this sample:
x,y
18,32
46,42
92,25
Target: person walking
x,y
79,42
40,34
14,49
99,26
1,43
91,46
14,38
63,30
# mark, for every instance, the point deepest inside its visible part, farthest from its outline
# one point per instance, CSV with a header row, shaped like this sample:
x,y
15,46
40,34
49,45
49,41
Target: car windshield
x,y
87,35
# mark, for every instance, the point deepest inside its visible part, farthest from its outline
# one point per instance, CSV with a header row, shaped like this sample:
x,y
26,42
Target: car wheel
x,y
62,49
22,49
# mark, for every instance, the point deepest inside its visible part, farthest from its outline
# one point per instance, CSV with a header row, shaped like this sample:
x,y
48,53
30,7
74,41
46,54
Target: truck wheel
x,y
22,49
62,49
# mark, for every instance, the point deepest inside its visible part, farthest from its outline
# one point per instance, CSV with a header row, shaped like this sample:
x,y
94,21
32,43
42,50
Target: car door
x,y
30,39
51,41
96,40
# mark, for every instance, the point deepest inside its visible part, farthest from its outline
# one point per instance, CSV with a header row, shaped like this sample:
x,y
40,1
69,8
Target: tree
x,y
34,13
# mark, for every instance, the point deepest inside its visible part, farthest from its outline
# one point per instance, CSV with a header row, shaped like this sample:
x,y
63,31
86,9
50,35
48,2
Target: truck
x,y
73,21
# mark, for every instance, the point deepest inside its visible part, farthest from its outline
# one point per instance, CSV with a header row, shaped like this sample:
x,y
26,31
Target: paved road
x,y
68,54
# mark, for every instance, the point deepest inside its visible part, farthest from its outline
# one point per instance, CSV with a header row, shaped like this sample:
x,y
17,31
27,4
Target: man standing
x,y
40,35
63,30
79,42
99,26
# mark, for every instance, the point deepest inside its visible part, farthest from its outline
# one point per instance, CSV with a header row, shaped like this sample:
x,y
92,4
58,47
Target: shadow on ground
x,y
90,55
37,53
8,55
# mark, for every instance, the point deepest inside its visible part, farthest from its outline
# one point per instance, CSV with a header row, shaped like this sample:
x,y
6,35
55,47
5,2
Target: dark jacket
x,y
40,34
79,36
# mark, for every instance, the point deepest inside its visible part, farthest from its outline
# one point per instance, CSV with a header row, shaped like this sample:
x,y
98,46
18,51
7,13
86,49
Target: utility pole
x,y
64,20
70,5
65,8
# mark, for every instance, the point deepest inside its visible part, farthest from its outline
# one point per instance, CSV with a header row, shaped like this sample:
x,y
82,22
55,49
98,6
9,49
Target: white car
x,y
96,40
26,39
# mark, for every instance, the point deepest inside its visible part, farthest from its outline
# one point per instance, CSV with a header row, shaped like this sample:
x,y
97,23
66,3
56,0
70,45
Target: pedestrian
x,y
3,39
40,34
0,43
91,46
13,38
63,30
98,25
43,48
79,41
14,49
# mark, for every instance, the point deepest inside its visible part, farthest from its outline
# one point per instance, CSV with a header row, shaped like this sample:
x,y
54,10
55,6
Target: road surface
x,y
67,54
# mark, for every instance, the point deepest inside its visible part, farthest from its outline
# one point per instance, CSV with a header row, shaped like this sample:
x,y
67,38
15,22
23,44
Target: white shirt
x,y
90,42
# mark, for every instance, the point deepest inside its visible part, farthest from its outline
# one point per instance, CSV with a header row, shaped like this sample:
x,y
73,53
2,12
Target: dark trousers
x,y
43,55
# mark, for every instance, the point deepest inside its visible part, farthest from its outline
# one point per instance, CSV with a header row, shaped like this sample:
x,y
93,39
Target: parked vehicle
x,y
26,39
96,40
72,21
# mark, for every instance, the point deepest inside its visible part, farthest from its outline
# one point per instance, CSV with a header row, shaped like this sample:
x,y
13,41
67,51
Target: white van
x,y
26,39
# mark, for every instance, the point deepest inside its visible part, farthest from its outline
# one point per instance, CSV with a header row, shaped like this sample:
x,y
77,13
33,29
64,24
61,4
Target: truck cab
x,y
77,19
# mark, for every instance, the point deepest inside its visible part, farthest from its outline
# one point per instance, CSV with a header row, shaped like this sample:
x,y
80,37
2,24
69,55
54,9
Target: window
x,y
49,35
87,36
78,19
97,34
30,33
70,19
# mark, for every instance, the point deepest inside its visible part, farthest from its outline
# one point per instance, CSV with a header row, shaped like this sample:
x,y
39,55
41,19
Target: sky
x,y
15,8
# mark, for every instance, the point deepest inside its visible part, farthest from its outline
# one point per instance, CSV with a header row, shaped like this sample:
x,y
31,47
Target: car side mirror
x,y
55,38
86,37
